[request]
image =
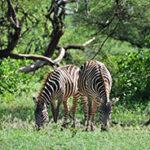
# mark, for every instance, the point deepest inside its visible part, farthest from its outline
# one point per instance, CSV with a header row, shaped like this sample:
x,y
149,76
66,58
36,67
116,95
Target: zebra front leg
x,y
94,109
53,112
66,110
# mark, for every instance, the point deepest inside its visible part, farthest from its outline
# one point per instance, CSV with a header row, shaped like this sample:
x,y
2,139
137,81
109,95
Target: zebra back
x,y
60,82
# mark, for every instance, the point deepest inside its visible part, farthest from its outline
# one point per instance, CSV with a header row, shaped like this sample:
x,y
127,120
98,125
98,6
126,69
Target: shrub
x,y
133,76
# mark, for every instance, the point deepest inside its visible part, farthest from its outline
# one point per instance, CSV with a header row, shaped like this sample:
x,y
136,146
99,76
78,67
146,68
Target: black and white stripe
x,y
58,87
95,85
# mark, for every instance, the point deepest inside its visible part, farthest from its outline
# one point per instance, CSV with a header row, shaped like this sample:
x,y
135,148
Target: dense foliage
x,y
134,76
130,16
34,34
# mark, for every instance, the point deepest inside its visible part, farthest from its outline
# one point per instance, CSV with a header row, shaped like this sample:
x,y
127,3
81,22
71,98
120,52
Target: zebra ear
x,y
114,101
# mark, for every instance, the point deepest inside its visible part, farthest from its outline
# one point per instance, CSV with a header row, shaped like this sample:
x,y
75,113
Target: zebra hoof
x,y
61,129
104,129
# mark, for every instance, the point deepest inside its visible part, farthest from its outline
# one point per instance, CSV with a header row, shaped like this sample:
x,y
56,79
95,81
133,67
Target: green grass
x,y
25,137
17,130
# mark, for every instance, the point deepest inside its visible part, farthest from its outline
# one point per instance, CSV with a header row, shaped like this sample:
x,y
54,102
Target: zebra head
x,y
41,113
105,114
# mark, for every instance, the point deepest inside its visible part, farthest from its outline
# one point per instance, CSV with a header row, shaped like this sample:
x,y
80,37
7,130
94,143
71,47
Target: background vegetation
x,y
122,41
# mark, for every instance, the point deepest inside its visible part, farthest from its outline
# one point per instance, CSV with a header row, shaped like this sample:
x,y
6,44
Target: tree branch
x,y
32,57
13,37
80,46
32,67
104,41
56,15
43,61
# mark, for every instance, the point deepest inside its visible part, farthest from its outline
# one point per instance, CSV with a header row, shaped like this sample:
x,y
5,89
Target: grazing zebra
x,y
60,84
95,85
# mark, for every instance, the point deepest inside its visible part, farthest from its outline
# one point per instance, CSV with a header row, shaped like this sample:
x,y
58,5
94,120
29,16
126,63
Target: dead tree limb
x,y
42,61
55,62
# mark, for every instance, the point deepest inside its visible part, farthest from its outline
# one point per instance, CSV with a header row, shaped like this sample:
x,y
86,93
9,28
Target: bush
x,y
14,83
133,77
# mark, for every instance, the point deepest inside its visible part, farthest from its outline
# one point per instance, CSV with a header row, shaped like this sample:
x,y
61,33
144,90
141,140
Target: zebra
x,y
60,84
94,85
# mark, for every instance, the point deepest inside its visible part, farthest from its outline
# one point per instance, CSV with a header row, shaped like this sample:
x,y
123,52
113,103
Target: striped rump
x,y
95,85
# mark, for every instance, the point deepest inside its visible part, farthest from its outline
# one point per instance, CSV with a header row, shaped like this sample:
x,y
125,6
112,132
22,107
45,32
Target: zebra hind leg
x,y
66,110
53,113
74,109
88,119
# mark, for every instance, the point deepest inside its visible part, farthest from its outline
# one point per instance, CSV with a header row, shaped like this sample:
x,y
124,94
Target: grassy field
x,y
52,138
17,131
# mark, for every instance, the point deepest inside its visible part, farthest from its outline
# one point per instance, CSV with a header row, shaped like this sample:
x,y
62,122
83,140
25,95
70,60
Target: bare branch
x,y
43,62
32,67
46,61
12,15
74,46
13,34
88,42
60,57
32,57
81,46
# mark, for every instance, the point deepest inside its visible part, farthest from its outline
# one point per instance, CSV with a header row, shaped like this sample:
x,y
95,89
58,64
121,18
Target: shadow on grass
x,y
23,113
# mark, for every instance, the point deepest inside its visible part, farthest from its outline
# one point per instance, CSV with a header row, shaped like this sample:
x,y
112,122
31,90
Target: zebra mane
x,y
100,70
